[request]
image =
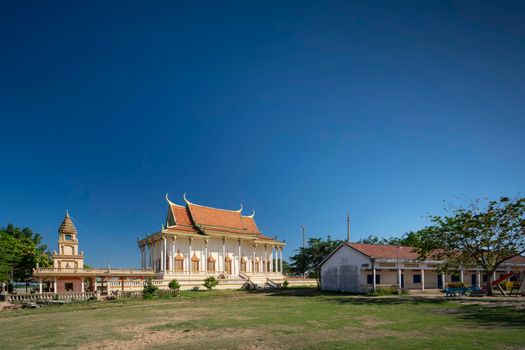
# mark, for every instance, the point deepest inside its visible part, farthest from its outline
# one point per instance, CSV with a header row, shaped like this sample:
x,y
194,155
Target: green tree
x,y
482,234
408,239
210,282
150,290
20,251
174,284
307,260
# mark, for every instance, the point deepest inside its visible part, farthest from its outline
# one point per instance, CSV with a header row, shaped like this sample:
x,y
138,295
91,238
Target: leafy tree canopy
x,y
20,251
408,239
307,260
482,234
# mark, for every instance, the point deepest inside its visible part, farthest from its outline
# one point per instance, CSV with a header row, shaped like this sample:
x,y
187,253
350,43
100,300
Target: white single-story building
x,y
359,268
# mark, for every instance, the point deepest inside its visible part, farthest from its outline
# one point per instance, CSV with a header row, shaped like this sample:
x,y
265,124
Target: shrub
x,y
456,285
285,284
210,282
383,291
150,290
174,284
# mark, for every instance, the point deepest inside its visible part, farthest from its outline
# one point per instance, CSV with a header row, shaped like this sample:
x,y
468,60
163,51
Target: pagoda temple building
x,y
198,241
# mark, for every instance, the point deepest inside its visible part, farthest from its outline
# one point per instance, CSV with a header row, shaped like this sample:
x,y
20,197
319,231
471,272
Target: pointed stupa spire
x,y
67,225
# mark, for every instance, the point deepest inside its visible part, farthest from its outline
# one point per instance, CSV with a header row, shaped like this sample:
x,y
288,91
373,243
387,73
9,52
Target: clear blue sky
x,y
300,110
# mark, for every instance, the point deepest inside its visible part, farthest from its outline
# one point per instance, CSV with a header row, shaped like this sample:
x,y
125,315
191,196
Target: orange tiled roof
x,y
378,251
182,217
216,217
199,218
250,225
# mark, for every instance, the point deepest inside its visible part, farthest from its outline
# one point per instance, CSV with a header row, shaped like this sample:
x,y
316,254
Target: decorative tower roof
x,y
67,226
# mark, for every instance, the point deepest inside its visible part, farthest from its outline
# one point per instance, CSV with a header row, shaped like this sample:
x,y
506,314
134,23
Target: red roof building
x,y
198,240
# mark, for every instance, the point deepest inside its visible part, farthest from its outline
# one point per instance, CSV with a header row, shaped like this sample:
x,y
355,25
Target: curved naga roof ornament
x,y
170,202
253,214
240,209
186,199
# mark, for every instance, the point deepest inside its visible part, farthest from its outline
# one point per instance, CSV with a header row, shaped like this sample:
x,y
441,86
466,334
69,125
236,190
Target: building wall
x,y
342,271
77,284
215,249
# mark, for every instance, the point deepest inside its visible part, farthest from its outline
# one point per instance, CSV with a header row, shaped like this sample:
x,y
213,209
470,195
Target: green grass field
x,y
290,319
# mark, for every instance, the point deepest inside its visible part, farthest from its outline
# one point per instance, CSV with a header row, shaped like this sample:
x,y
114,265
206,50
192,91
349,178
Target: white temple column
x,y
82,286
240,257
55,285
461,279
40,285
443,280
205,257
173,253
223,253
399,278
281,262
254,258
265,267
150,250
189,255
374,279
109,286
478,280
163,255
422,279
271,259
276,265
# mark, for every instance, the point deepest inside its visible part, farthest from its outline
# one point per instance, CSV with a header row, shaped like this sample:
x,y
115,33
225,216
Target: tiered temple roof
x,y
199,219
67,225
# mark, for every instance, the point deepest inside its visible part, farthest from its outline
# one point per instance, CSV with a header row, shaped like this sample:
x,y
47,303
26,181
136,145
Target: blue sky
x,y
300,110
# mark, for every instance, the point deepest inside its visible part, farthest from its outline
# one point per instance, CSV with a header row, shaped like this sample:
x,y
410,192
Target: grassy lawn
x,y
294,318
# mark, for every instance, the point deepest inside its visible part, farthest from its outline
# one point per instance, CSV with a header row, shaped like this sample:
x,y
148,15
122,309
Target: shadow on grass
x,y
481,312
349,298
492,316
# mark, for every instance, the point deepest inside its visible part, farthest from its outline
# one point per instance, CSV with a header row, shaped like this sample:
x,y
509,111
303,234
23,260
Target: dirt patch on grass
x,y
146,335
369,321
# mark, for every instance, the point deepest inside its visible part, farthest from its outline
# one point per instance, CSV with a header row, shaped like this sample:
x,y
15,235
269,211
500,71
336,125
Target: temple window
x,y
179,263
228,265
211,264
68,287
68,237
243,264
195,263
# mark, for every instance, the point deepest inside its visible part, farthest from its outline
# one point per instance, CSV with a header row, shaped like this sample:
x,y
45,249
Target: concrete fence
x,y
48,296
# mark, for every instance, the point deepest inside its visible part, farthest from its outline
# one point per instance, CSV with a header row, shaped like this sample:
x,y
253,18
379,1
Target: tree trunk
x,y
490,276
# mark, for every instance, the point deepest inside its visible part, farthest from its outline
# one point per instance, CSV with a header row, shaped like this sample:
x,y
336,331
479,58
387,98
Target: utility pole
x,y
304,241
348,227
304,246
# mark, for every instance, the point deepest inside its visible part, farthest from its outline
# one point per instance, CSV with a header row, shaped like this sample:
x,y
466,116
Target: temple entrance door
x,y
440,281
228,267
402,280
474,280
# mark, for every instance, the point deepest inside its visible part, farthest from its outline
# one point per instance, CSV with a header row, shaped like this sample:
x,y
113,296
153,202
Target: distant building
x,y
196,242
199,241
68,274
359,268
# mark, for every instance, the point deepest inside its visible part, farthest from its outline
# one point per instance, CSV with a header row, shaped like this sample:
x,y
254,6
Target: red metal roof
x,y
517,260
378,251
